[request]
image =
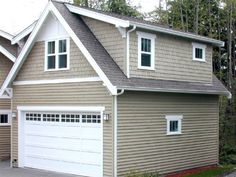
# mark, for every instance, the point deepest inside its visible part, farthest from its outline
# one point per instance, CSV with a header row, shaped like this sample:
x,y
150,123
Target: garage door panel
x,y
62,142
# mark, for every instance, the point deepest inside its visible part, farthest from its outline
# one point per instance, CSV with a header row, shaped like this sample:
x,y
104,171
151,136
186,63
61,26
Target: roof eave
x,y
225,93
6,35
179,33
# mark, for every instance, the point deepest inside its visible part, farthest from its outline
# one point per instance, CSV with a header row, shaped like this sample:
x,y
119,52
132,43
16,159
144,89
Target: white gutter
x,y
179,33
115,130
128,51
6,35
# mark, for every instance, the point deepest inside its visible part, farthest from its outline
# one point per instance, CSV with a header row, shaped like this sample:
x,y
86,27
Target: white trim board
x,y
26,49
7,54
57,81
23,33
6,35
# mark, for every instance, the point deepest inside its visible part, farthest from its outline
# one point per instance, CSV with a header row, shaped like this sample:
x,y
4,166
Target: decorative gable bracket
x,y
122,31
8,93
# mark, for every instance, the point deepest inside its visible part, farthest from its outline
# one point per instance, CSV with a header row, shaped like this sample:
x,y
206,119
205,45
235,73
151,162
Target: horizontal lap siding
x,y
74,94
142,140
5,142
5,104
173,60
111,39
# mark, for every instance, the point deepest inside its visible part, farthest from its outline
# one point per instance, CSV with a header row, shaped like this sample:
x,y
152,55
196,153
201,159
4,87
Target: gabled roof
x,y
126,21
101,61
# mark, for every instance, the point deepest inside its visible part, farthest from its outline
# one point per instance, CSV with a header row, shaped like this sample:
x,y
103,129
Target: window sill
x,y
51,70
199,60
171,134
146,68
5,125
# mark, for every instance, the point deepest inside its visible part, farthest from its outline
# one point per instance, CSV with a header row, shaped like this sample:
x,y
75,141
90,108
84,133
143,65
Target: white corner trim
x,y
7,54
50,8
6,35
23,33
98,16
57,81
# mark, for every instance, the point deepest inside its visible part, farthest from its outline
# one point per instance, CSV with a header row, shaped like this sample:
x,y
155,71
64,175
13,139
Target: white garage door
x,y
63,142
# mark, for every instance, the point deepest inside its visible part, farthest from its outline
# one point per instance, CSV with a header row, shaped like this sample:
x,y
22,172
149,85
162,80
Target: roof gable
x,y
69,25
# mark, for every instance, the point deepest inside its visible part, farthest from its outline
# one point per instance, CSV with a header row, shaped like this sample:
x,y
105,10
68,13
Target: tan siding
x,y
111,39
5,104
74,94
33,68
173,60
5,67
5,146
142,140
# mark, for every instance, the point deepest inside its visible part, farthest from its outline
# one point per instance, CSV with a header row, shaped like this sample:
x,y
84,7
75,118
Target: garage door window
x,y
64,118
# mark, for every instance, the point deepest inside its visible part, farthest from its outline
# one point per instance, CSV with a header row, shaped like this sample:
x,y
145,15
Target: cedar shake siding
x,y
173,60
142,140
111,39
5,67
33,68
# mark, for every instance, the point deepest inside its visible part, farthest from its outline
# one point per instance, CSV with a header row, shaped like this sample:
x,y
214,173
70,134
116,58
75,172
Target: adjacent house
x,y
8,55
98,94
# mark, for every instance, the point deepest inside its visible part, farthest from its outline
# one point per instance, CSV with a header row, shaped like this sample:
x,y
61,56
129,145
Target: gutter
x,y
115,129
127,51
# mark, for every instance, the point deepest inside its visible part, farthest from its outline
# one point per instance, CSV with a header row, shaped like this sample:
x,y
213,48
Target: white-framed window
x,y
146,50
174,124
5,117
199,52
57,54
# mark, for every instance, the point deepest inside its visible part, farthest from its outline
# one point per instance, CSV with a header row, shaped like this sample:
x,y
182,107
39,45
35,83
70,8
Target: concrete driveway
x,y
7,171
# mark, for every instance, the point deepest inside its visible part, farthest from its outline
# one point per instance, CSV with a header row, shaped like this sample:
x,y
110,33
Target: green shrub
x,y
141,174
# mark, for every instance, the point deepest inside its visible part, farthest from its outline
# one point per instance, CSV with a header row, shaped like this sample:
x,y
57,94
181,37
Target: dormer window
x,y
146,51
57,55
199,52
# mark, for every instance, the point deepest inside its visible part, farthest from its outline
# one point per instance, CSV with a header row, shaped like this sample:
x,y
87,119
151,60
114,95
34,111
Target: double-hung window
x,y
57,55
5,118
174,124
146,50
199,51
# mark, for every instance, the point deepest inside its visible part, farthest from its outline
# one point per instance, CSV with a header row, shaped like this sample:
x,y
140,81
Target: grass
x,y
214,172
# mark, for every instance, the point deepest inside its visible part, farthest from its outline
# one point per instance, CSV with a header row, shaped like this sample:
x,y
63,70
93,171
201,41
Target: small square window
x,y
5,118
174,124
199,52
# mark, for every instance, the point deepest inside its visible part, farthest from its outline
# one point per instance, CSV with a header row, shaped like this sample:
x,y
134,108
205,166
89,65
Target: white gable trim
x,y
50,8
6,35
7,54
23,33
98,16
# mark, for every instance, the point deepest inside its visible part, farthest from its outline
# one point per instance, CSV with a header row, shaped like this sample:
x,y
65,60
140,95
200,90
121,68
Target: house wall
x,y
173,60
64,94
111,39
5,104
142,141
8,46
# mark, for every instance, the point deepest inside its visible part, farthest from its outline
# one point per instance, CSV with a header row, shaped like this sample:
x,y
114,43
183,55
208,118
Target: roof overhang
x,y
23,33
170,90
6,35
7,54
125,24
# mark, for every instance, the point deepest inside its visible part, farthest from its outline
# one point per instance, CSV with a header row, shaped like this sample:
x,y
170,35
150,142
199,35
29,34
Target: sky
x,y
15,15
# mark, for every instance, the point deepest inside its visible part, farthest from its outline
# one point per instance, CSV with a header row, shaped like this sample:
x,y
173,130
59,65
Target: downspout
x,y
115,131
127,51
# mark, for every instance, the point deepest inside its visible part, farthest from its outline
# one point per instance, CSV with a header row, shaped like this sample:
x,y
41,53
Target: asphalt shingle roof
x,y
115,74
